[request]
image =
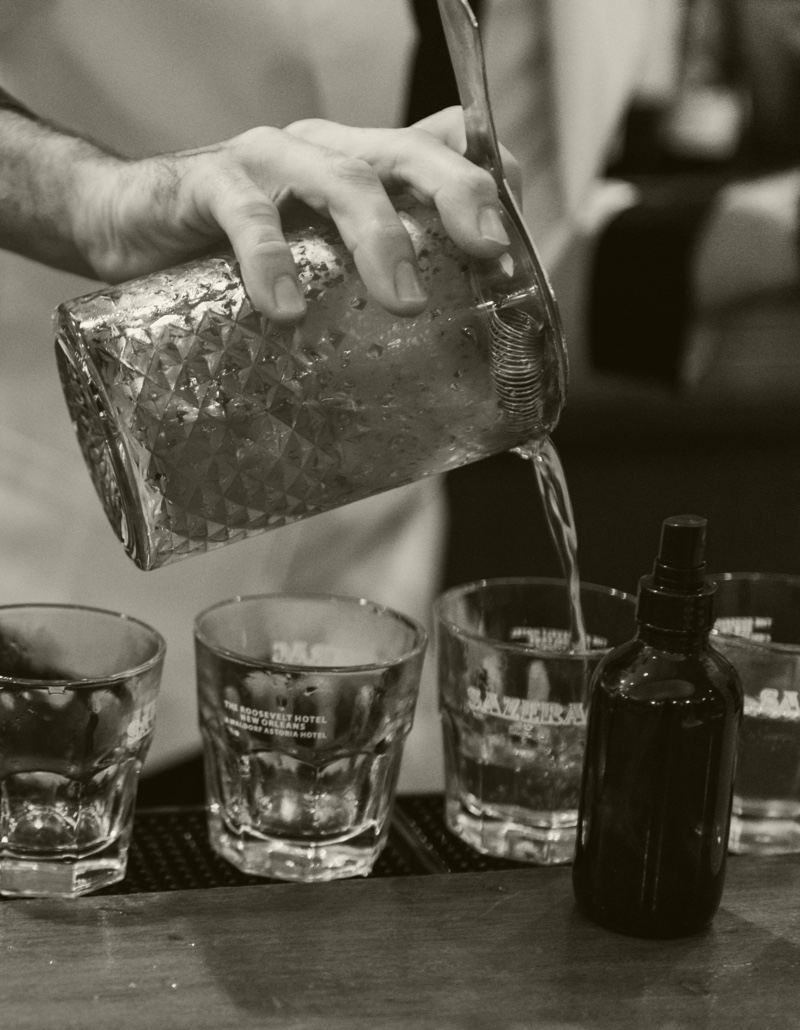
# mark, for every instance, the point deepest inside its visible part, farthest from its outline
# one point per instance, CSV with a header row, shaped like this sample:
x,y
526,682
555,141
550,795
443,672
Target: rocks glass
x,y
305,704
513,704
758,630
78,690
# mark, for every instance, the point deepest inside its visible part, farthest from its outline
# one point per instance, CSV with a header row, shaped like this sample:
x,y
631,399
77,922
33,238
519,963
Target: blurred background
x,y
679,293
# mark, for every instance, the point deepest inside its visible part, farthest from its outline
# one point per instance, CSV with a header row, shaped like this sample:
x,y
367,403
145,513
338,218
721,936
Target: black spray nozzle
x,y
680,564
677,597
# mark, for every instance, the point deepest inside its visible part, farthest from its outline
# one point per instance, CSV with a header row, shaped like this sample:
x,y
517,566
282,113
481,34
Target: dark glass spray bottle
x,y
657,785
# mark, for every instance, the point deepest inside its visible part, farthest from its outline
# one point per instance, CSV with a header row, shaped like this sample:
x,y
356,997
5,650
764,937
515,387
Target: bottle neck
x,y
676,641
685,617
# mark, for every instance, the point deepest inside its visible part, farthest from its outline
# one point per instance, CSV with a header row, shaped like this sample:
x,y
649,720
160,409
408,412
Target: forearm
x,y
74,205
46,179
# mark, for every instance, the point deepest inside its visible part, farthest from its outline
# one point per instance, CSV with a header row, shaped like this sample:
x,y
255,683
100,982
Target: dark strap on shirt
x,y
433,84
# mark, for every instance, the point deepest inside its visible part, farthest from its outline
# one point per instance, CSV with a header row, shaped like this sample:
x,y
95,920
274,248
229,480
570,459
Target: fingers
x,y
448,126
252,224
250,218
345,172
464,195
350,192
425,164
371,229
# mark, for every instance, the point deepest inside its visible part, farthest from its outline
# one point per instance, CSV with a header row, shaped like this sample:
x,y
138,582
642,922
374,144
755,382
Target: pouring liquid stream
x,y
552,483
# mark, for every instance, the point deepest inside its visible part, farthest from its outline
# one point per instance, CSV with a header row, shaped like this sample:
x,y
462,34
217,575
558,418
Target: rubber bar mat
x,y
170,849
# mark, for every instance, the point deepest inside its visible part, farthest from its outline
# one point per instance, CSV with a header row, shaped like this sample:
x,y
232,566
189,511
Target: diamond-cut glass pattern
x,y
202,424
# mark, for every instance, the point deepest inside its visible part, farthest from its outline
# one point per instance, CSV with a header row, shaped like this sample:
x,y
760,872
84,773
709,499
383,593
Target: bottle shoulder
x,y
641,671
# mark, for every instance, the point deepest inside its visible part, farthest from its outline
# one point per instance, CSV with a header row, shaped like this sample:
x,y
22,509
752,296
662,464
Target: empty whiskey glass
x,y
305,704
78,690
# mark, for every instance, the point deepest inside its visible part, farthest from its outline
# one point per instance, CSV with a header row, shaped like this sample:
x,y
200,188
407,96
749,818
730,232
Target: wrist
x,y
144,215
95,185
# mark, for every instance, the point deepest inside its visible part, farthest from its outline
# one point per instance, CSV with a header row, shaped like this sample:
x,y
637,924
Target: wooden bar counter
x,y
497,950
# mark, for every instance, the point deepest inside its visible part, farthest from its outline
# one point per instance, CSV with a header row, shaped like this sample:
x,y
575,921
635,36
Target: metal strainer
x,y
529,356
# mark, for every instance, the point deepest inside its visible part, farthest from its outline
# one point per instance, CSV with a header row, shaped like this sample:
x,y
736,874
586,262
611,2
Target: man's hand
x,y
139,216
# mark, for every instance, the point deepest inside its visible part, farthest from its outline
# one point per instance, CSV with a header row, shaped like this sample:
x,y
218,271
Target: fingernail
x,y
406,283
491,226
288,298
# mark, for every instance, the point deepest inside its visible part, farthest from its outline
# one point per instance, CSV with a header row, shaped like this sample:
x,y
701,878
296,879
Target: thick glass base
x,y
506,835
55,876
296,860
754,835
